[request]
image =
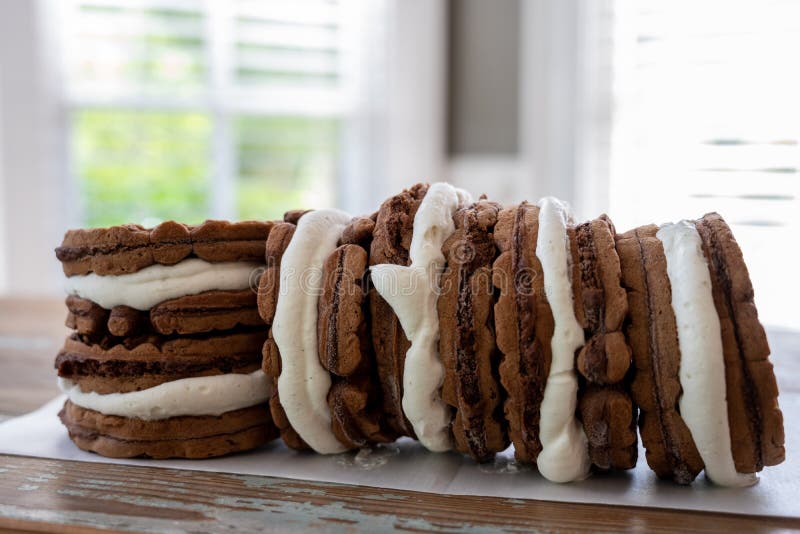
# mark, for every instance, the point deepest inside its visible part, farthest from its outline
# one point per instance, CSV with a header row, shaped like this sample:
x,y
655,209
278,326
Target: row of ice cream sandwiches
x,y
465,324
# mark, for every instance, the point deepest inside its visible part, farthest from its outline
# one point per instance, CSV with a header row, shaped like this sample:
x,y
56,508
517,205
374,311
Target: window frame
x,y
218,98
399,107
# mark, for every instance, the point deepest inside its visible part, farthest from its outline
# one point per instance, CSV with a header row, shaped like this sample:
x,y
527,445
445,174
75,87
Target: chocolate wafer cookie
x,y
653,338
552,335
467,340
129,248
755,420
177,437
524,325
601,304
190,314
165,397
345,343
268,291
108,367
392,235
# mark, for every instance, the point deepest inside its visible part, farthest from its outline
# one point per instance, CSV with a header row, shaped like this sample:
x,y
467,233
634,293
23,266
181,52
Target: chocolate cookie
x,y
524,325
293,216
268,291
191,314
345,344
653,338
467,339
116,368
755,420
175,437
130,248
392,235
601,304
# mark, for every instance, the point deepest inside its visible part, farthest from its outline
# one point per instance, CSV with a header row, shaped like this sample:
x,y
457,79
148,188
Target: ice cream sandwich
x,y
390,245
412,291
165,358
703,380
179,397
539,334
467,343
607,412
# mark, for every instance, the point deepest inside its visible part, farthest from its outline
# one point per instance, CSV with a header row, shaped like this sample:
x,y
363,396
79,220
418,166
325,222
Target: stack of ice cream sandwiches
x,y
165,356
467,325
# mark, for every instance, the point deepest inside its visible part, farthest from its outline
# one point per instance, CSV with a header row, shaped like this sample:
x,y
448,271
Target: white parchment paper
x,y
407,466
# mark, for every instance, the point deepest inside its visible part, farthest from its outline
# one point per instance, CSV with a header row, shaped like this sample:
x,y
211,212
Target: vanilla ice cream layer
x,y
303,383
702,366
565,452
412,293
202,395
149,286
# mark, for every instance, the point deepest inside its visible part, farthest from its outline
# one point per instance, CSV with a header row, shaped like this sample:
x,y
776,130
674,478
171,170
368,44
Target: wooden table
x,y
52,495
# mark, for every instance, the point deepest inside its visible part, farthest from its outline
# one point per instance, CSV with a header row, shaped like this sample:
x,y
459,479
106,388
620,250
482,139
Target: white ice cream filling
x,y
154,284
303,383
412,292
565,451
703,403
202,395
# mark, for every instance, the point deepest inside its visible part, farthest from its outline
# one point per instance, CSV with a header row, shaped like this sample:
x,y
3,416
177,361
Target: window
x,y
707,119
190,109
141,110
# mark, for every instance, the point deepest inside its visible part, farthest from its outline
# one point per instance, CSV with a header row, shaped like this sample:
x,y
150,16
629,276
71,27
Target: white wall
x,y
416,86
396,133
33,194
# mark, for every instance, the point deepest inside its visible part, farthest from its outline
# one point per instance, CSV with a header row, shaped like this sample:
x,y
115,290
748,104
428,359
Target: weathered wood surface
x,y
31,332
146,498
50,495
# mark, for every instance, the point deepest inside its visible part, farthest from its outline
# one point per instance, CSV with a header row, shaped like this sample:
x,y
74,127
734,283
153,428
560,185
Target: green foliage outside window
x,y
282,162
146,167
142,167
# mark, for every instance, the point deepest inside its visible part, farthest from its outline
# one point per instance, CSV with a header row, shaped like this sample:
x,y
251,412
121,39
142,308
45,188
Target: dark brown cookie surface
x,y
130,248
117,368
191,314
755,420
345,345
269,284
607,413
524,325
176,437
609,421
467,344
360,231
390,244
293,216
653,338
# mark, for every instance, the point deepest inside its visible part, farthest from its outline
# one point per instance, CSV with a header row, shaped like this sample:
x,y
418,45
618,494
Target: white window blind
x,y
189,109
707,118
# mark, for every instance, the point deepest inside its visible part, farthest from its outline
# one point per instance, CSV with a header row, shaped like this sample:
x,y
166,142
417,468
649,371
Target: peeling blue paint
x,y
101,482
178,506
72,492
42,477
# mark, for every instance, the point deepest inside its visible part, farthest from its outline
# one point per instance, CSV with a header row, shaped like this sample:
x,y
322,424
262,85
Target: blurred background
x,y
115,111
